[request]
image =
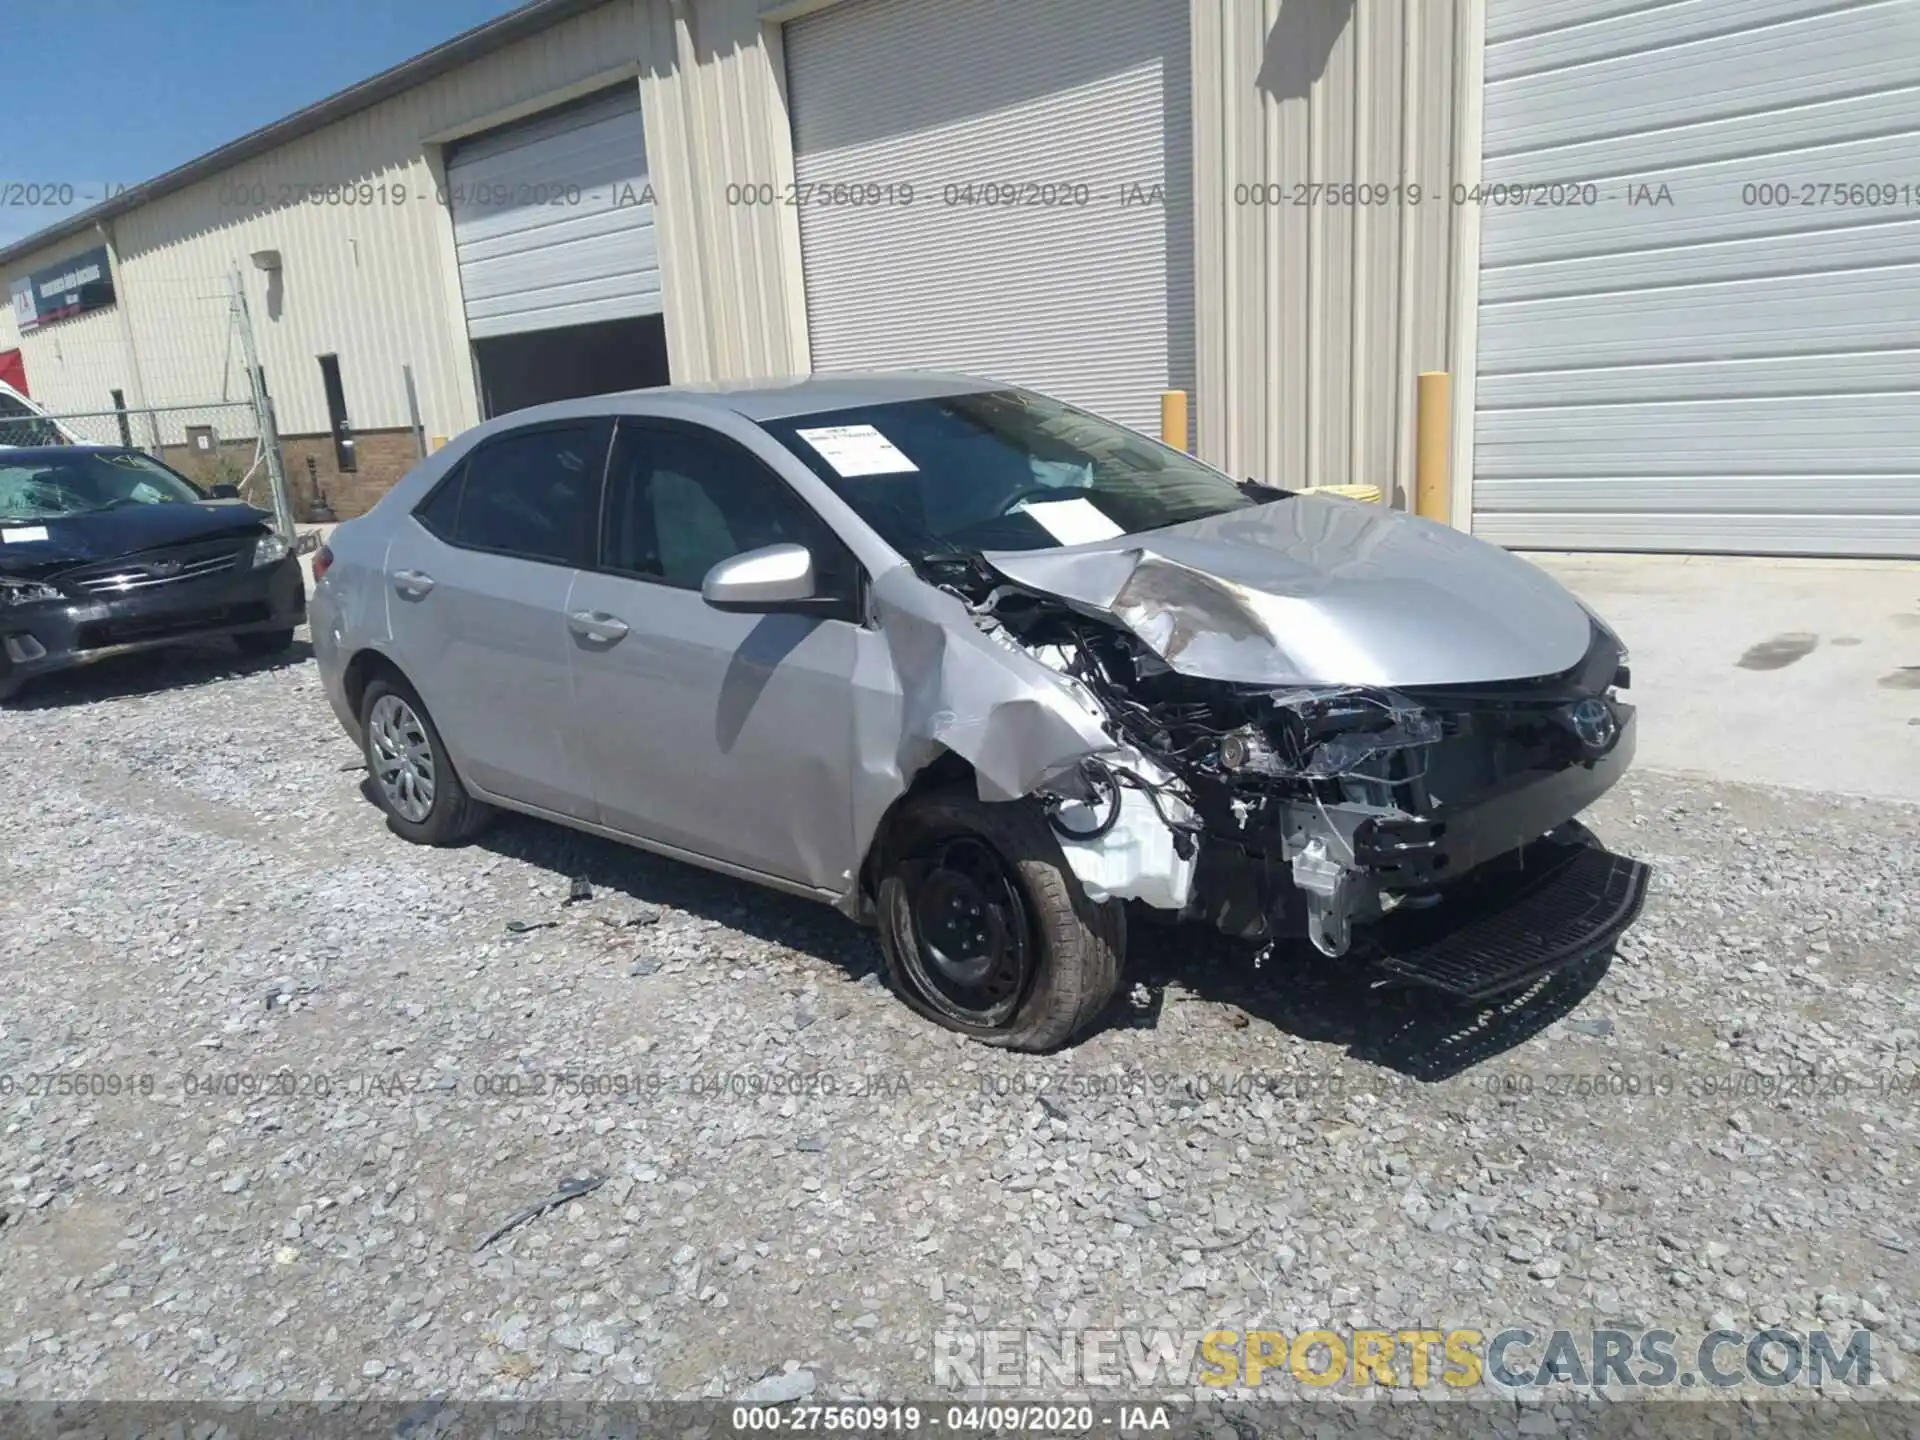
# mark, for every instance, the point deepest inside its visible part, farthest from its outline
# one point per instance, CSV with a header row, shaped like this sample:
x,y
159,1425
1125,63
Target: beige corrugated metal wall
x,y
735,304
1313,314
1315,311
375,281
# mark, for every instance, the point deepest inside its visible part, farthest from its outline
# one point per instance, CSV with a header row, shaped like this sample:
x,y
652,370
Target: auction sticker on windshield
x,y
854,450
16,533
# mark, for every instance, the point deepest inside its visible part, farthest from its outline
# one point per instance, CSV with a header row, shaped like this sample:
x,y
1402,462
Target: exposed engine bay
x,y
1275,811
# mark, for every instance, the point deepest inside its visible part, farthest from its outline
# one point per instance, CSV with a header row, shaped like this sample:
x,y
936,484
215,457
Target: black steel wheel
x,y
972,952
984,927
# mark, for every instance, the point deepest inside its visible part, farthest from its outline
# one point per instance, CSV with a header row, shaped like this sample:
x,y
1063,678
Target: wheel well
x,y
360,672
944,773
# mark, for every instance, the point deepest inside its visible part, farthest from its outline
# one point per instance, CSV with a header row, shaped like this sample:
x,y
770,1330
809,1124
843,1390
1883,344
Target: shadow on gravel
x,y
1422,1034
1417,1033
614,869
205,662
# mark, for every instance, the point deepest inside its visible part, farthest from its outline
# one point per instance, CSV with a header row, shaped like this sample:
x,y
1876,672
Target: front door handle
x,y
412,583
596,625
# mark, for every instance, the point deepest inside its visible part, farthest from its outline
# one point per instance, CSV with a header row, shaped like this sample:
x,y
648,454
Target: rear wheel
x,y
264,642
412,777
985,929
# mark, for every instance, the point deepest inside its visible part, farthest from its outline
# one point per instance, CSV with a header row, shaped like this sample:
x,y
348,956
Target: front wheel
x,y
986,930
412,777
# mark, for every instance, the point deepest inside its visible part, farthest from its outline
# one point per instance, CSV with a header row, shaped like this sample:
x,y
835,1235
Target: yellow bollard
x,y
1173,418
1433,448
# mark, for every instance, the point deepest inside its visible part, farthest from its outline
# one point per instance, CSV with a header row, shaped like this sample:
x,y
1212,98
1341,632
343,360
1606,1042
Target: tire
x,y
264,642
389,711
1074,949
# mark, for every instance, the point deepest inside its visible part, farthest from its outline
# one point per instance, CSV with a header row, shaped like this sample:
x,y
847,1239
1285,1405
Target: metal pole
x,y
1433,449
413,411
263,414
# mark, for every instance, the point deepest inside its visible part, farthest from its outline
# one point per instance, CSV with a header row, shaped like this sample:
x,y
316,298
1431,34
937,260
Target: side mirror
x,y
760,581
224,492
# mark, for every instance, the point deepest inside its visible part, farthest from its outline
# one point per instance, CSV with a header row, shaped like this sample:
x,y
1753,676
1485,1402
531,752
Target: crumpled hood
x,y
1319,590
108,534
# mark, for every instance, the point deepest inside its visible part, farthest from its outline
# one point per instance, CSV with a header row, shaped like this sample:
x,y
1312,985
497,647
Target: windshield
x,y
52,487
1001,470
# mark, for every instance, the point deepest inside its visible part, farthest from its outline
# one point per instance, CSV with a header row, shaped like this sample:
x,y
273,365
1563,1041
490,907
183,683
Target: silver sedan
x,y
989,672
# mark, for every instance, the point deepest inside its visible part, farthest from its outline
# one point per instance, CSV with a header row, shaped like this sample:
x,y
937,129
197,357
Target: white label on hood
x,y
24,532
857,450
1072,522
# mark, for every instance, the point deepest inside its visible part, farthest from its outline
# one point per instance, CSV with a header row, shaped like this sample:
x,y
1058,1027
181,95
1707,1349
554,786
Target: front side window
x,y
529,493
1001,470
86,482
680,502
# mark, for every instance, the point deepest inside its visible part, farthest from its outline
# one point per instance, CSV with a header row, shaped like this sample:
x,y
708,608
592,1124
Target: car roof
x,y
779,399
54,452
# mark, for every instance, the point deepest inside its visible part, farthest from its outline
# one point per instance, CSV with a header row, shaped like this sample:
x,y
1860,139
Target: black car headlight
x,y
268,549
26,592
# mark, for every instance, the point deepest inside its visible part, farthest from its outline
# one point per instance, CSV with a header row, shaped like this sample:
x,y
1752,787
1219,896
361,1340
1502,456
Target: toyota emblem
x,y
1592,720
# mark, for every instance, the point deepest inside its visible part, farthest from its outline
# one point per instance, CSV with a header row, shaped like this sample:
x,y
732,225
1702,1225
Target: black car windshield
x,y
53,487
1001,470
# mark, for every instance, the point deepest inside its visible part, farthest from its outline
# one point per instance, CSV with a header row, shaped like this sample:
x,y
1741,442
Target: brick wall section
x,y
384,455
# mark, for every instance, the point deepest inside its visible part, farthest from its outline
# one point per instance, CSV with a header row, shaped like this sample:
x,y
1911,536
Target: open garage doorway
x,y
536,366
553,225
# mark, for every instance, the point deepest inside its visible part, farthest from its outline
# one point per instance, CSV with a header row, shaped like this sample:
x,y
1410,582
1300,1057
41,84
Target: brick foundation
x,y
384,455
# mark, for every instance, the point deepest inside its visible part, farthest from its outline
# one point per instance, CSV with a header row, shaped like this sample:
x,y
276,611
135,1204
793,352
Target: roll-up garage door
x,y
1003,188
552,220
1699,324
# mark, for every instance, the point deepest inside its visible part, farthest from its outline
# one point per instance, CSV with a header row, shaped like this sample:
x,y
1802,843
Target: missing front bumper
x,y
1557,902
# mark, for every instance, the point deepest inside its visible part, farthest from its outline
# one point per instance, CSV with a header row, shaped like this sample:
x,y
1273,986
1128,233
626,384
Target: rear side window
x,y
528,493
440,511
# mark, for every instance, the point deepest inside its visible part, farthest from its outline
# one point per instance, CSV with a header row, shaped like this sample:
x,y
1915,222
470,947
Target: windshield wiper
x,y
1259,490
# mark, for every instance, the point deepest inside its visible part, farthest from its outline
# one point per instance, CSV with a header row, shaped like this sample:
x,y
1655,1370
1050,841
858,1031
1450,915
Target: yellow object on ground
x,y
1368,493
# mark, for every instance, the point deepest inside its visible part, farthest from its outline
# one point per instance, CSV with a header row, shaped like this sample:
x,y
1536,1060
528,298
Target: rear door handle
x,y
412,582
596,625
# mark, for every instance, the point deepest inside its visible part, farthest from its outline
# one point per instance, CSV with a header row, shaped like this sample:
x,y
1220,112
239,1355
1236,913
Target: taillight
x,y
322,561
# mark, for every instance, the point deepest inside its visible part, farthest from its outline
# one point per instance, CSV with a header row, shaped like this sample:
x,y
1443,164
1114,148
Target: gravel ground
x,y
350,1050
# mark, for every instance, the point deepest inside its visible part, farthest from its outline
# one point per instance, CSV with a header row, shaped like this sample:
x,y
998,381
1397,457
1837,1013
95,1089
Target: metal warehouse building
x,y
1669,251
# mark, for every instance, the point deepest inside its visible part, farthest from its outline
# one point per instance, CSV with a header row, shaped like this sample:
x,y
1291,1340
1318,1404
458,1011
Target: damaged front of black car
x,y
105,552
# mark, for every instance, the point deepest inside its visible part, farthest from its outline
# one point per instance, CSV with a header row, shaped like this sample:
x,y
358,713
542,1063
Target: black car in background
x,y
105,551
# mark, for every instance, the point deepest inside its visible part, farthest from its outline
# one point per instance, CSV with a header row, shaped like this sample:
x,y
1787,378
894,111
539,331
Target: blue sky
x,y
113,92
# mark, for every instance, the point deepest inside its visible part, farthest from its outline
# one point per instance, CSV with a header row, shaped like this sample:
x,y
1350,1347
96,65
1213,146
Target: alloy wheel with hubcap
x,y
402,757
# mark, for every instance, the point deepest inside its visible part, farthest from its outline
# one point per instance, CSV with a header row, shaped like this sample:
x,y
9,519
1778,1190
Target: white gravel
x,y
268,1075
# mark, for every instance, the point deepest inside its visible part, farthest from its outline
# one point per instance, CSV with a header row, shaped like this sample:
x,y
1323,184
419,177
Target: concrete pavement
x,y
1782,672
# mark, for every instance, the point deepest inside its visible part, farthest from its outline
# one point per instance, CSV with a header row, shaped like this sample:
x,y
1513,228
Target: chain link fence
x,y
218,443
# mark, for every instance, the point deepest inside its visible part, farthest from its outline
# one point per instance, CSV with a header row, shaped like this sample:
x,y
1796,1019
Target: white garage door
x,y
551,219
1716,345
1047,147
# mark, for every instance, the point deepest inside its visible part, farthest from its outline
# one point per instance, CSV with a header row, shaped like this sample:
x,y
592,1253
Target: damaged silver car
x,y
989,672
